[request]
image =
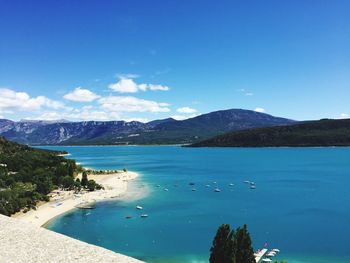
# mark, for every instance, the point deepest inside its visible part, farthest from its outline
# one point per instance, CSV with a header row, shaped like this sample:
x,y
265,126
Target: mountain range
x,y
166,131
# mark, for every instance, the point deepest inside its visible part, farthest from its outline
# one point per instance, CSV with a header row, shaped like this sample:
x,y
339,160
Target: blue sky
x,y
145,60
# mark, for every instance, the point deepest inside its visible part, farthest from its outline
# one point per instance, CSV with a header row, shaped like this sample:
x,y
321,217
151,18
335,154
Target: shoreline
x,y
115,184
23,242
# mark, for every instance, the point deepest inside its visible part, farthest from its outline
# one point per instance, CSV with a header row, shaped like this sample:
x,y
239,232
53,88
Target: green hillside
x,y
313,133
27,175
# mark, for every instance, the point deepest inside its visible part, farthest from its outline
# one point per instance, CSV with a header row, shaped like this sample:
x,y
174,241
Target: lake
x,y
301,203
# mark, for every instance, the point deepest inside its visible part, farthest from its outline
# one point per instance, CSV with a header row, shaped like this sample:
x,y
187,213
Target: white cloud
x,y
49,116
157,87
127,76
262,110
128,85
344,116
131,104
143,120
21,101
183,117
186,110
81,95
245,92
124,86
84,114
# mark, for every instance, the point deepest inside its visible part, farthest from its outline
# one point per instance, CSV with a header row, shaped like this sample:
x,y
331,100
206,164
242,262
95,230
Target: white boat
x,y
267,260
247,182
252,187
275,250
157,185
217,190
194,189
139,207
252,183
144,215
166,189
231,184
208,185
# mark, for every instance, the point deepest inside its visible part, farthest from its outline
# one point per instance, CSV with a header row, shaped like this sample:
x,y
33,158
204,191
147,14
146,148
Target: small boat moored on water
x,y
139,207
128,217
217,190
166,189
144,216
266,260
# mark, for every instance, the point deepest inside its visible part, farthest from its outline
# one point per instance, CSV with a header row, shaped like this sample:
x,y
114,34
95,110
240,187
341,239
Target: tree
x,y
67,182
232,247
223,248
70,169
84,179
91,185
244,252
77,185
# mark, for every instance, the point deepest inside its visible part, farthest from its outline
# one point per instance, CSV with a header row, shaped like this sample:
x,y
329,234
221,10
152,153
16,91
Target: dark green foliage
x,y
223,248
84,179
231,246
27,175
77,185
91,185
244,250
306,134
67,182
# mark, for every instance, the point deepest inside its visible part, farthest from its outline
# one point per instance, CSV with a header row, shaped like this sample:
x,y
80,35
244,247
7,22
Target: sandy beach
x,y
115,185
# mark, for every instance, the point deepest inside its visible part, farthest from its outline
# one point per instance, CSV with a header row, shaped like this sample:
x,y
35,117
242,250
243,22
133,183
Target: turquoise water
x,y
301,203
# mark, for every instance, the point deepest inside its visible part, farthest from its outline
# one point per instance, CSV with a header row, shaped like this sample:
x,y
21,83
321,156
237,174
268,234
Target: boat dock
x,y
260,254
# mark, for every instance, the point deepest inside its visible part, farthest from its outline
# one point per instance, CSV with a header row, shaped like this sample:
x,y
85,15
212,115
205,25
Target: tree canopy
x,y
230,246
27,175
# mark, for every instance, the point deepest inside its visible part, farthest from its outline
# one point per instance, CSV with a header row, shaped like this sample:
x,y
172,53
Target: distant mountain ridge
x,y
167,131
326,132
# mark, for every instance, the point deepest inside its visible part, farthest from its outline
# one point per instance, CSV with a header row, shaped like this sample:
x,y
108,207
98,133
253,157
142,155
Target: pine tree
x,y
223,248
244,252
84,179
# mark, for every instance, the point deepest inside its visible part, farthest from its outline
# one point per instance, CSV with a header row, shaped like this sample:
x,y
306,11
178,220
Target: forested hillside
x,y
27,175
313,133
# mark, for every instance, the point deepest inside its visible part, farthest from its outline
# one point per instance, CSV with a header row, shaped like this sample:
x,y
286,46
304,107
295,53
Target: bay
x,y
300,204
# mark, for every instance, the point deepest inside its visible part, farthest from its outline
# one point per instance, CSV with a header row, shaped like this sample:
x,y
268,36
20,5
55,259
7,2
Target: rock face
x,y
24,242
167,131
